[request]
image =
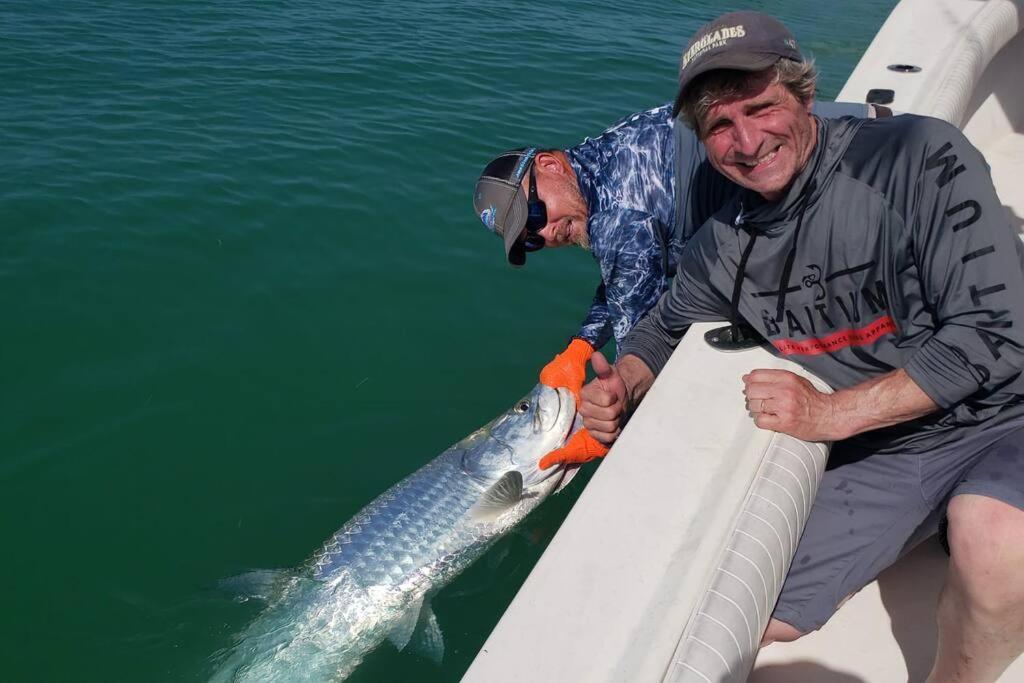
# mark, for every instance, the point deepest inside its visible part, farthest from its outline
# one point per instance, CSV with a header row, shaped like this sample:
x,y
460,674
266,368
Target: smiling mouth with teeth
x,y
766,159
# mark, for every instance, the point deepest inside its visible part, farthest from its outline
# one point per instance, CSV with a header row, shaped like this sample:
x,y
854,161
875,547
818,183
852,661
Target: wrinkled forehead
x,y
728,105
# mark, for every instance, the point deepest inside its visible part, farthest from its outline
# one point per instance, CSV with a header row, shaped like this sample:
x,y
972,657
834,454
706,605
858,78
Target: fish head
x,y
534,426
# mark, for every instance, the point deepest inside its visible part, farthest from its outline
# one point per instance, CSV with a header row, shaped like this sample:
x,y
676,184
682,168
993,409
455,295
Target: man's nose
x,y
548,233
746,138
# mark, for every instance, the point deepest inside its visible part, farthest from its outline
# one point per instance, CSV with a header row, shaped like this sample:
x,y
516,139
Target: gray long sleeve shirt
x,y
648,188
900,255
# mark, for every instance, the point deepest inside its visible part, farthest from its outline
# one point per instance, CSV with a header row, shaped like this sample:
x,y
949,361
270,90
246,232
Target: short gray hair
x,y
798,77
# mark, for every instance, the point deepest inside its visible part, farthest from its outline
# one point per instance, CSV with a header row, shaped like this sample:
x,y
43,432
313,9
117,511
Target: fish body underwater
x,y
373,579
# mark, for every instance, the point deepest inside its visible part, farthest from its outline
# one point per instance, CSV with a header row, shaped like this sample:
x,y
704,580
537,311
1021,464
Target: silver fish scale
x,y
415,526
371,578
412,538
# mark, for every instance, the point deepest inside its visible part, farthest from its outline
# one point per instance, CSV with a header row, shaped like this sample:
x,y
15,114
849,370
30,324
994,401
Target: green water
x,y
243,290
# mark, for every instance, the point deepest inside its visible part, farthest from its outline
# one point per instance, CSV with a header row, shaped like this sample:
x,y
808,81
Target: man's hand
x,y
580,448
569,368
785,402
583,446
602,405
603,401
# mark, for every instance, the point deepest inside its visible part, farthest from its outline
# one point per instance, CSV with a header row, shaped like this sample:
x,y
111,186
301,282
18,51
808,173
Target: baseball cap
x,y
744,41
500,201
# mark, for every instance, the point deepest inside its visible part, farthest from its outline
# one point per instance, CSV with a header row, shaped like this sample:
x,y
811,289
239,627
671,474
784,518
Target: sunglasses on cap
x,y
536,216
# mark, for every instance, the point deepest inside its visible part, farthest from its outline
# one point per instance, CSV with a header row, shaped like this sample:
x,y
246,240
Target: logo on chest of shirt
x,y
827,312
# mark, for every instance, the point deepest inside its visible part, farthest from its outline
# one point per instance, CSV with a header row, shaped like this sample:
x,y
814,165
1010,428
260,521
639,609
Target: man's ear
x,y
549,163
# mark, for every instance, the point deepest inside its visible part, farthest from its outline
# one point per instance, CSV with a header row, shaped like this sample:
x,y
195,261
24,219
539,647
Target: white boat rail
x,y
669,564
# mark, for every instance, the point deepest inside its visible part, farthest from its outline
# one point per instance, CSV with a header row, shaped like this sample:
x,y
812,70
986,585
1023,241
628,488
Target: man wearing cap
x,y
633,196
876,254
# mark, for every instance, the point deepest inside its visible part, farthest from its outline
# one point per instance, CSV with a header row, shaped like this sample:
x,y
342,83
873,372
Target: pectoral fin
x,y
418,631
427,639
401,634
503,495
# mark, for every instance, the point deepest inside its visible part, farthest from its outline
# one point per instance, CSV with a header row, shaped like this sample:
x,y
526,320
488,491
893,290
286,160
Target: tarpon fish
x,y
373,579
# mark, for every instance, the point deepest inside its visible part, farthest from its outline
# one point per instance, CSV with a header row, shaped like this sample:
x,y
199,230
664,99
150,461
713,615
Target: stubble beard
x,y
583,238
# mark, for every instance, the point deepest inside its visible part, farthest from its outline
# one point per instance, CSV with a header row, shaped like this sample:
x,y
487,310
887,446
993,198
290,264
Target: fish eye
x,y
522,406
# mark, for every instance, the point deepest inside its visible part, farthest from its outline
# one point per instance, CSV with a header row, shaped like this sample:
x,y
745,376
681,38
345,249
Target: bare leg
x,y
981,608
779,632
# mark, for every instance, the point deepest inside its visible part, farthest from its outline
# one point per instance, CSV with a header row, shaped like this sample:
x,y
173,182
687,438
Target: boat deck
x,y
994,122
1005,156
886,632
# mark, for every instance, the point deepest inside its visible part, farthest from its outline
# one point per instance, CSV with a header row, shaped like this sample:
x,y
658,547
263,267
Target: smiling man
x,y
633,196
876,254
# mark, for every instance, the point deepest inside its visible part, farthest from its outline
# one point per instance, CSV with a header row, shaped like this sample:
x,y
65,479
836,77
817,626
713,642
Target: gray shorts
x,y
873,508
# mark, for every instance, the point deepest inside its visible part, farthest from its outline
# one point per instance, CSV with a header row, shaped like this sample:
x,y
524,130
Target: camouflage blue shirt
x,y
648,187
627,176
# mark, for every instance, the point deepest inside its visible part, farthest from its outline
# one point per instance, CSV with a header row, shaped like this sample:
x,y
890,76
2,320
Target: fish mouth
x,y
551,478
546,419
567,404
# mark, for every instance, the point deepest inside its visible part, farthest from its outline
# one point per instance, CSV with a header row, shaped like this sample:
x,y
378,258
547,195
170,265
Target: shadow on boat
x,y
801,672
909,591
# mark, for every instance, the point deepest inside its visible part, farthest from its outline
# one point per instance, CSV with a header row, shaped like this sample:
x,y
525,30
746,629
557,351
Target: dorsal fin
x,y
502,495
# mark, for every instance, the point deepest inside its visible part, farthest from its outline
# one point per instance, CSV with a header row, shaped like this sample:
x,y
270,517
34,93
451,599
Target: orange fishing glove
x,y
581,448
569,368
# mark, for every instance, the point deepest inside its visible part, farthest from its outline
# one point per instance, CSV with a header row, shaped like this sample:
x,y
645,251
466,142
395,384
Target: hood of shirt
x,y
834,136
784,218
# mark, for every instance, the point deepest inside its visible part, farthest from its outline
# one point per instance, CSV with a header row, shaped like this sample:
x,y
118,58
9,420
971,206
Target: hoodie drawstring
x,y
737,285
787,270
738,335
